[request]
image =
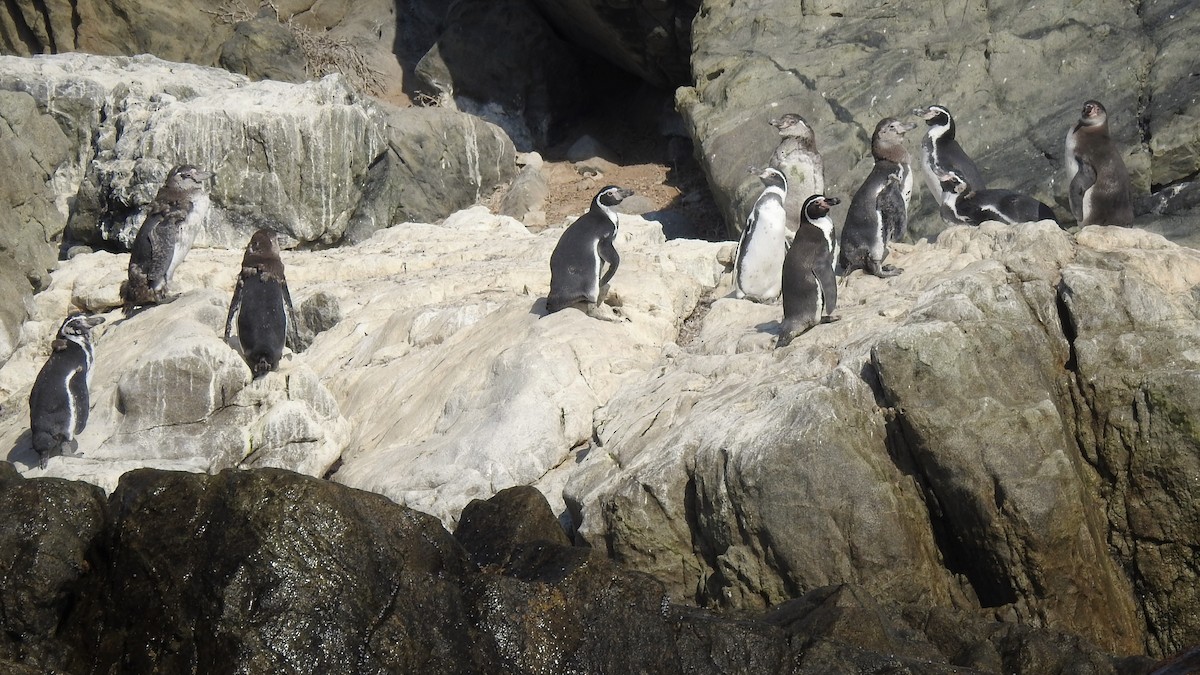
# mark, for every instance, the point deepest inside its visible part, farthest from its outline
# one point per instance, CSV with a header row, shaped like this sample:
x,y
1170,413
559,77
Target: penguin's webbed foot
x,y
829,318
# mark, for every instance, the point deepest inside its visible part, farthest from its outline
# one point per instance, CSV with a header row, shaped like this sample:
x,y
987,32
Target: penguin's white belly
x,y
760,272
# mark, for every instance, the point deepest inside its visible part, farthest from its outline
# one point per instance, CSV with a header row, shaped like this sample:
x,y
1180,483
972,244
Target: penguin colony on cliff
x,y
788,248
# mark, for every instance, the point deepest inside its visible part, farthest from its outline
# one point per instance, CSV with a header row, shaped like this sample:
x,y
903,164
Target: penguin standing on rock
x,y
58,401
879,209
764,242
941,154
796,157
165,237
809,285
1098,181
582,250
265,318
972,207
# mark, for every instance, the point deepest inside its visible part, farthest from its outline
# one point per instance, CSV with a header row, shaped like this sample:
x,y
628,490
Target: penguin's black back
x,y
262,323
61,384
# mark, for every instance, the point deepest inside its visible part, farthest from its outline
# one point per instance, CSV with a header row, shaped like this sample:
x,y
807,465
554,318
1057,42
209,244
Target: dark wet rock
x,y
490,530
48,530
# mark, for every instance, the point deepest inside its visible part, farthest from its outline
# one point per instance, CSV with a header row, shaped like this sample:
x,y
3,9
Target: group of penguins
x,y
787,246
59,400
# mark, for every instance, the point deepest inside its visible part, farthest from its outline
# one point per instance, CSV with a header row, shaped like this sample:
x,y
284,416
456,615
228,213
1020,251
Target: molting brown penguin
x,y
879,209
796,157
1098,183
59,401
265,317
165,237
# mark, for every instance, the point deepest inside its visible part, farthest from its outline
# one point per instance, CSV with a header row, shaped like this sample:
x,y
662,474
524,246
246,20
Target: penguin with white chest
x,y
764,242
1098,182
879,209
165,237
809,284
796,157
265,317
59,401
972,207
941,154
582,250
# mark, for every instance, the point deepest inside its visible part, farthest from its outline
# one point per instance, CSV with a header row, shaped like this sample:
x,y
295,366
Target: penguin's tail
x,y
261,367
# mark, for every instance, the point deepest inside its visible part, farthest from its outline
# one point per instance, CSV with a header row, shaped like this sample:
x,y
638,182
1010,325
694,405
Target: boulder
x,y
843,66
36,153
500,60
315,161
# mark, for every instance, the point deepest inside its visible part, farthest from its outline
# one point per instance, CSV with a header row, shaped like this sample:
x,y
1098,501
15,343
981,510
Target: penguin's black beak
x,y
832,201
625,193
921,112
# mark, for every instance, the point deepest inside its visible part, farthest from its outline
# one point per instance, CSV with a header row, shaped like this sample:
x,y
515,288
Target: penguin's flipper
x,y
608,253
234,306
828,283
1085,178
893,214
77,385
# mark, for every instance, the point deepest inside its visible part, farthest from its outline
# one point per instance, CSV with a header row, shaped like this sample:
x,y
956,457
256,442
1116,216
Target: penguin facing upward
x,y
265,318
764,242
941,154
165,237
973,207
581,252
58,401
809,285
1098,181
879,209
796,157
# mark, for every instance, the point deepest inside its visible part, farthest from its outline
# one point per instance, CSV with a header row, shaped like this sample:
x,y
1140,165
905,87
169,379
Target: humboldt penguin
x,y
972,207
796,157
764,242
165,237
941,154
878,211
582,250
58,401
1098,181
266,320
809,285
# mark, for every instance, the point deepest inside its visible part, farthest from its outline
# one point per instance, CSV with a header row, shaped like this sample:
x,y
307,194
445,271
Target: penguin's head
x,y
612,195
817,206
934,115
892,130
263,241
78,327
953,183
1093,114
791,124
772,178
188,177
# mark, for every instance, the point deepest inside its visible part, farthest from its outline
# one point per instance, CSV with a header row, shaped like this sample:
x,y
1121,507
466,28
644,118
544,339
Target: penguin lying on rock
x,y
972,207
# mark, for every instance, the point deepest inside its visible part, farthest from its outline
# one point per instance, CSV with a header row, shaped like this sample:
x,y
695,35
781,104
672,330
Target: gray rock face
x,y
34,152
315,161
844,66
500,60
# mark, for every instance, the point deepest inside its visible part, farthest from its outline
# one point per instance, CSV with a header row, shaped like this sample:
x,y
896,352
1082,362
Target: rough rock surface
x,y
206,33
269,571
845,65
310,160
1006,428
